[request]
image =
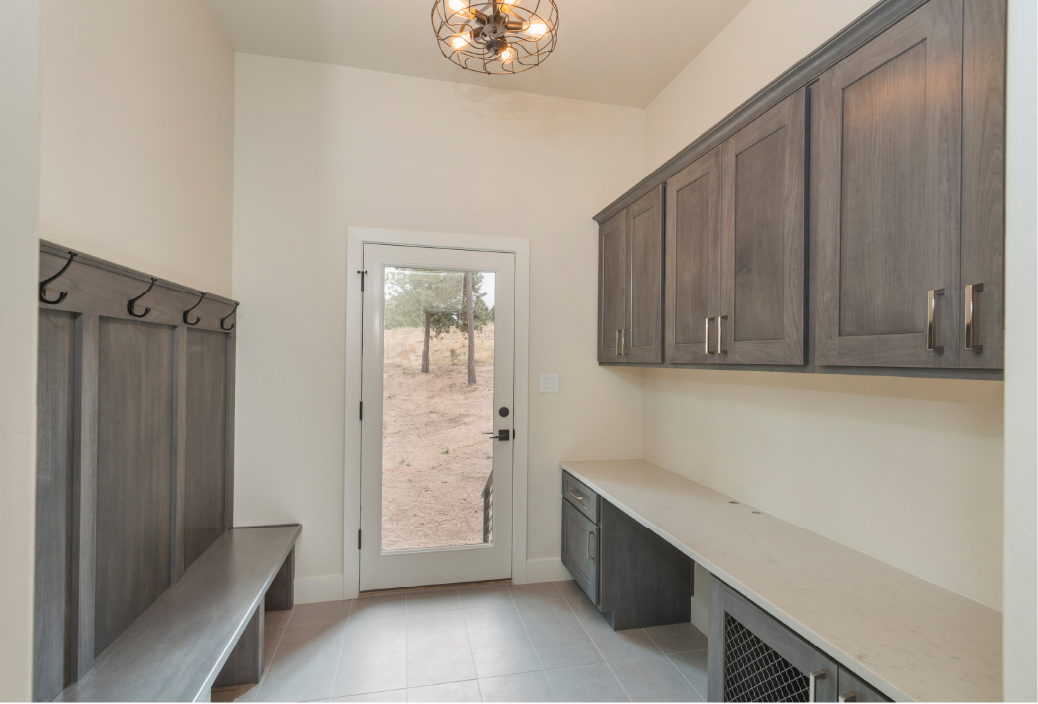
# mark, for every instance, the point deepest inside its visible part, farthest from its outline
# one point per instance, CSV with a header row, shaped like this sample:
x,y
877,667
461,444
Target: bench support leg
x,y
281,593
245,665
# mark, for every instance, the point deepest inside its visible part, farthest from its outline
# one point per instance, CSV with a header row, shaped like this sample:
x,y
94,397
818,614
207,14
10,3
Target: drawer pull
x,y
931,314
972,342
575,495
849,697
815,676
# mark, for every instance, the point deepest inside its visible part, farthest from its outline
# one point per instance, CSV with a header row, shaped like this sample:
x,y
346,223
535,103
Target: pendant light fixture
x,y
499,37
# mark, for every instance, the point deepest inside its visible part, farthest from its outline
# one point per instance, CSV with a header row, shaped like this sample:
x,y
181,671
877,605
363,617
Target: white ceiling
x,y
622,52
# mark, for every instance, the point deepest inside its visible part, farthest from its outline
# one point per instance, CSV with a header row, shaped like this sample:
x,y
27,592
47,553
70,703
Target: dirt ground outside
x,y
436,457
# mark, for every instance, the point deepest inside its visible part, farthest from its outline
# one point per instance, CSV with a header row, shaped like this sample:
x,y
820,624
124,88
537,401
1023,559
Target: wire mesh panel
x,y
755,672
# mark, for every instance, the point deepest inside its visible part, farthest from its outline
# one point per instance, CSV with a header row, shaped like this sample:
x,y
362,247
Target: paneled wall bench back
x,y
143,591
848,218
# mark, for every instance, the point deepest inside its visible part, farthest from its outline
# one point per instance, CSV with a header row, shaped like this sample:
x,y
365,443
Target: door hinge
x,y
363,273
362,410
358,538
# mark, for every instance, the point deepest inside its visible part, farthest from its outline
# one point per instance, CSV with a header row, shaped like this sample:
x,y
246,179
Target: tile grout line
x,y
667,655
610,667
468,642
342,646
536,654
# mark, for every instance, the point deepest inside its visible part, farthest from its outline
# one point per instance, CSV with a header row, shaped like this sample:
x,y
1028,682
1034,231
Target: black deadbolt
x,y
503,412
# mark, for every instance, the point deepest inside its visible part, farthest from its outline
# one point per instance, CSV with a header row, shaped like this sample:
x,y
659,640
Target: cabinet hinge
x,y
358,538
362,410
363,274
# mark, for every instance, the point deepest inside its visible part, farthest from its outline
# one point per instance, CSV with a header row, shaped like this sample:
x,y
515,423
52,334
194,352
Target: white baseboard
x,y
549,569
316,589
700,616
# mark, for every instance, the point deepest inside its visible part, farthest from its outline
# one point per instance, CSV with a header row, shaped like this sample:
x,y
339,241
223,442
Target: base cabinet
x,y
634,577
754,658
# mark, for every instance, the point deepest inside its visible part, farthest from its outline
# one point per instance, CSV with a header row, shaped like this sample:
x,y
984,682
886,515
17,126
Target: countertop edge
x,y
859,668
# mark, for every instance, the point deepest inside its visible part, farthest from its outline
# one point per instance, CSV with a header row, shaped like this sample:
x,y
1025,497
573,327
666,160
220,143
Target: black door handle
x,y
502,434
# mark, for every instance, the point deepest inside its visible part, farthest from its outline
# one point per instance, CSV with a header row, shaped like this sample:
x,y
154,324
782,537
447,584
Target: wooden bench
x,y
205,631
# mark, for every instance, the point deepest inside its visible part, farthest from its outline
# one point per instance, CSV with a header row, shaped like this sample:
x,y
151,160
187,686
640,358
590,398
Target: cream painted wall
x,y
1020,631
319,148
763,40
908,471
137,136
19,264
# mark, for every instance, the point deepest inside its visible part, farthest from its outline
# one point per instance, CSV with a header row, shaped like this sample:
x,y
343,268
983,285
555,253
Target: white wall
x,y
908,471
137,136
19,264
319,148
1020,645
763,40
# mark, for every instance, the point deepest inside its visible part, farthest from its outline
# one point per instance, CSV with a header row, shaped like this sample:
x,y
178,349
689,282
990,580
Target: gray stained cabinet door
x,y
693,246
983,183
761,315
888,193
580,539
612,287
643,338
630,283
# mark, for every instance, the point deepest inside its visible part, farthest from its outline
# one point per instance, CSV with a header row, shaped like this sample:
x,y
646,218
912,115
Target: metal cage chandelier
x,y
499,37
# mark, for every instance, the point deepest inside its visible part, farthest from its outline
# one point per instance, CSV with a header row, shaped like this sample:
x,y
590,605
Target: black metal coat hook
x,y
222,320
197,320
43,284
129,306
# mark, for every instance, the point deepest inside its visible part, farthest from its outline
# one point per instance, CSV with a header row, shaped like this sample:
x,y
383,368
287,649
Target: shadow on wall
x,y
506,104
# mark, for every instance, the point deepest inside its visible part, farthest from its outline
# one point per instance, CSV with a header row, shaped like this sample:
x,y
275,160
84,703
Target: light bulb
x,y
507,54
459,41
457,5
537,29
506,7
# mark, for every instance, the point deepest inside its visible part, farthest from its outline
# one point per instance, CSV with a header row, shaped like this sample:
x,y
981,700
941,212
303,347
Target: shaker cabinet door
x,y
642,338
693,261
888,195
761,318
612,288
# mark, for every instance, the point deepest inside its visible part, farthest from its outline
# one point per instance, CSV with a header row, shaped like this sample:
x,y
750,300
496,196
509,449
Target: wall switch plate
x,y
549,383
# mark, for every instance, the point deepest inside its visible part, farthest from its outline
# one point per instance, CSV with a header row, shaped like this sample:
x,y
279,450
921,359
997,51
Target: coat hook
x,y
228,316
129,306
197,320
43,284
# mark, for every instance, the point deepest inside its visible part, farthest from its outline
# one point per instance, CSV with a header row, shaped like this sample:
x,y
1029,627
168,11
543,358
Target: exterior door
x,y
762,254
437,432
612,289
693,261
642,336
888,185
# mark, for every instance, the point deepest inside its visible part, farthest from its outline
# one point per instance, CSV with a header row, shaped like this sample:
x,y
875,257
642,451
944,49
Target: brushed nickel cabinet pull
x,y
589,545
971,326
619,352
706,337
849,697
623,342
575,495
931,315
812,690
721,349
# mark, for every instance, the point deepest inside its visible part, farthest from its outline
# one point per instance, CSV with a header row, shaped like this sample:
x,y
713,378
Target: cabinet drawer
x,y
578,494
753,657
580,540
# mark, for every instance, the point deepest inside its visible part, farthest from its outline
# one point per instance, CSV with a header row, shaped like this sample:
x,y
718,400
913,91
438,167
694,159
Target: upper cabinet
x,y
878,222
735,247
630,272
889,152
761,318
909,197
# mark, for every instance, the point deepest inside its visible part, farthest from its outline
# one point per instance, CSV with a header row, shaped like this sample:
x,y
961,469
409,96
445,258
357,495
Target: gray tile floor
x,y
505,643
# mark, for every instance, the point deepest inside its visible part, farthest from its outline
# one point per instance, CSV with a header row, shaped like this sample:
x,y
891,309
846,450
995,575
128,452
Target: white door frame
x,y
356,238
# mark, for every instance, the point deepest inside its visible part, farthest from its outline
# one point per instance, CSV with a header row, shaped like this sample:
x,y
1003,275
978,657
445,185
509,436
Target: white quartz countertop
x,y
909,638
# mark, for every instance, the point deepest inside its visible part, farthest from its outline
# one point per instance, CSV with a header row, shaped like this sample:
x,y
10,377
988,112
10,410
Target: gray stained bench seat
x,y
206,629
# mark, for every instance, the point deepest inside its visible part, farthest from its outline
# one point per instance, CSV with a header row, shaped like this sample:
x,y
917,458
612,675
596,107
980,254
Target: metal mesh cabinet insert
x,y
754,658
